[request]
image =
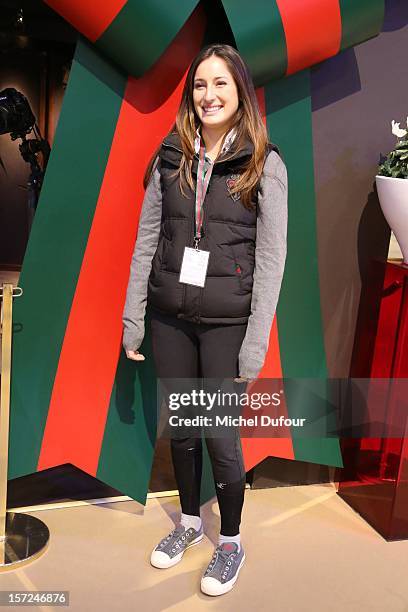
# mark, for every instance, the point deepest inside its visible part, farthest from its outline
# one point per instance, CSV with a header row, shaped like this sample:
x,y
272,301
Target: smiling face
x,y
215,94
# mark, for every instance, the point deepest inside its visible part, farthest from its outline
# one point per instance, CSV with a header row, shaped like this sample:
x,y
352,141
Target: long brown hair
x,y
247,123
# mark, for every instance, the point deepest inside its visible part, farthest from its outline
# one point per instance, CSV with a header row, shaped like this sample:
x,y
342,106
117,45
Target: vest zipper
x,y
191,241
204,229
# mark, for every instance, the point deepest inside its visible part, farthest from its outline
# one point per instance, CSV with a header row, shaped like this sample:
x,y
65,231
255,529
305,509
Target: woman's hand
x,y
135,355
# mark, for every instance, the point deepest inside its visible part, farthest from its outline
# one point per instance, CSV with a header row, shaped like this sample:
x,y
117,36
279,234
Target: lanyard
x,y
203,180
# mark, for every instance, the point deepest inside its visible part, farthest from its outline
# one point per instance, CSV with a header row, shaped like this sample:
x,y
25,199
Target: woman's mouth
x,y
212,110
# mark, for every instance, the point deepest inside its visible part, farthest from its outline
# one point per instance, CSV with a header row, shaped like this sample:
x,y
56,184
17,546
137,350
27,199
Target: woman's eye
x,y
198,86
221,83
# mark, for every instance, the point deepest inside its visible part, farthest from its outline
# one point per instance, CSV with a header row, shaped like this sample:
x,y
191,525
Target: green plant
x,y
395,164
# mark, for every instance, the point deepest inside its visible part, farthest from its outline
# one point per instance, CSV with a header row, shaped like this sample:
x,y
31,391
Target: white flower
x,y
396,129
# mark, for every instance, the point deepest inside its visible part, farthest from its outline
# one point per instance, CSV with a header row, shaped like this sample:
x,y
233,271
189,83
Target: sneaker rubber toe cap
x,y
212,586
161,560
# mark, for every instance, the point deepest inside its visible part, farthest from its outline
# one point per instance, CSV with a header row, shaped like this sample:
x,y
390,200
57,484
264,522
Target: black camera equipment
x,y
17,119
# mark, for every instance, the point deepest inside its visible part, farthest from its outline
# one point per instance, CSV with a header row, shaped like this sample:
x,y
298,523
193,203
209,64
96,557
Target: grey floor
x,y
306,549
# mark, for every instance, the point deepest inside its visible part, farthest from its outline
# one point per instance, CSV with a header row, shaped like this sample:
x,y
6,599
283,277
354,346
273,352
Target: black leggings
x,y
182,349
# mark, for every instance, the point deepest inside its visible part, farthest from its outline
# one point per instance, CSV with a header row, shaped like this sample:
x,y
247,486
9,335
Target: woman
x,y
208,261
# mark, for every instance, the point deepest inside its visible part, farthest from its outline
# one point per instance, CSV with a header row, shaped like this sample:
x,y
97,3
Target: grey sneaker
x,y
170,549
223,569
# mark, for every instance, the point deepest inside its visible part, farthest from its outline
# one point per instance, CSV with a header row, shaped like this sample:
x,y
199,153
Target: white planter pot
x,y
393,196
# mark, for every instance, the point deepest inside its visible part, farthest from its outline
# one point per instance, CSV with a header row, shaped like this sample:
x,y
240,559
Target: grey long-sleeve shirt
x,y
270,255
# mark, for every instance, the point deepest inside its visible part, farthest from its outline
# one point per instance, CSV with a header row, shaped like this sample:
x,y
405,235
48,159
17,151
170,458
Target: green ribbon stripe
x,y
289,121
360,20
142,31
126,457
259,36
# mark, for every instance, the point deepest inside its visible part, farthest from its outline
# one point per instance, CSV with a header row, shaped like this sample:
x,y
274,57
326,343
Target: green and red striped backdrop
x,y
75,396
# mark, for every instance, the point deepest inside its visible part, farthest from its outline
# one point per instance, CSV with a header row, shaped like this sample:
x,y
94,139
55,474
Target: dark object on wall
x,y
16,116
35,55
17,119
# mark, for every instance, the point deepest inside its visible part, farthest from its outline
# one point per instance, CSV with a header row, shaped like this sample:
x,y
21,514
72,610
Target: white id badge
x,y
194,267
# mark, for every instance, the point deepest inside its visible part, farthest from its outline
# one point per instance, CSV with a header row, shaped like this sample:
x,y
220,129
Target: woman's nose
x,y
209,94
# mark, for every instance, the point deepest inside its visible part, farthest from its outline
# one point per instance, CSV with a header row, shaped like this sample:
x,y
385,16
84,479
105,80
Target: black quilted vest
x,y
228,232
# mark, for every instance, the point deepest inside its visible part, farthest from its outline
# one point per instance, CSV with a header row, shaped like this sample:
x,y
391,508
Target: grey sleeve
x,y
270,256
145,248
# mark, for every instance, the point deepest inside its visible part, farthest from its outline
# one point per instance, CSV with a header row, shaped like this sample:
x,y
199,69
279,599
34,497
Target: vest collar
x,y
172,140
229,139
